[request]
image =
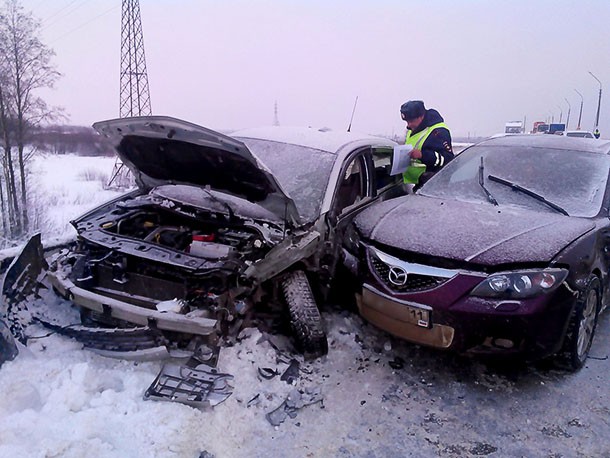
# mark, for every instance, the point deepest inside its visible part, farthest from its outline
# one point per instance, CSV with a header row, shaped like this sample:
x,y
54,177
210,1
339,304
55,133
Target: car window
x,y
302,172
352,185
573,180
382,163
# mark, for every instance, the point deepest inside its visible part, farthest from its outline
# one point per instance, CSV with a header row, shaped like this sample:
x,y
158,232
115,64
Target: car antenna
x,y
349,128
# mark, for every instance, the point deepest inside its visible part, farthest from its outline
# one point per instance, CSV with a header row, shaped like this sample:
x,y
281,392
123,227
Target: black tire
x,y
305,317
581,327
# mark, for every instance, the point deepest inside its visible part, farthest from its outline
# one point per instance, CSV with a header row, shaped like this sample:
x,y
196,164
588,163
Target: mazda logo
x,y
397,276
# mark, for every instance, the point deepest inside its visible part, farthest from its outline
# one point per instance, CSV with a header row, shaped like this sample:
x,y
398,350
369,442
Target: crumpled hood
x,y
478,233
161,150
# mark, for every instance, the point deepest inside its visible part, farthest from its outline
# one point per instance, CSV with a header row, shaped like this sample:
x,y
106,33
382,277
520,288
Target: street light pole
x,y
560,113
599,101
568,116
580,114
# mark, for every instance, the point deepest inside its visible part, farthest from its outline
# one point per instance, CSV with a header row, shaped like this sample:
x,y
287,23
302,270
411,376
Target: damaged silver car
x,y
217,225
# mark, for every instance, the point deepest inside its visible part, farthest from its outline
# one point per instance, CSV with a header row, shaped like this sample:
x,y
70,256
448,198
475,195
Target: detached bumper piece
x,y
8,348
200,386
20,282
117,340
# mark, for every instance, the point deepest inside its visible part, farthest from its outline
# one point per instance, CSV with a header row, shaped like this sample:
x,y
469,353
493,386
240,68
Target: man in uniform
x,y
430,138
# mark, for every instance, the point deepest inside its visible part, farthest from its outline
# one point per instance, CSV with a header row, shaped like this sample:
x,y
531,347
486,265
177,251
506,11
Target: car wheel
x,y
581,327
305,317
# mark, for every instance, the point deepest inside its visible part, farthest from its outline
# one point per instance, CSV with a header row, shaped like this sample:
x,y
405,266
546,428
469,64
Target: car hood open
x,y
478,233
163,150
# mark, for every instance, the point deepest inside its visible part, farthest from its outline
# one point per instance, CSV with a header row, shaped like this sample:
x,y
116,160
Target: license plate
x,y
419,316
396,309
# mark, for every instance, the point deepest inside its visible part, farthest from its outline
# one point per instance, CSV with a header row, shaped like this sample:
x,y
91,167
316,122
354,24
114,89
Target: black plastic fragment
x,y
291,374
266,372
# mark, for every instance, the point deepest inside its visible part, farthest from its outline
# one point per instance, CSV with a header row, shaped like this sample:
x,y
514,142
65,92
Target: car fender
x,y
291,250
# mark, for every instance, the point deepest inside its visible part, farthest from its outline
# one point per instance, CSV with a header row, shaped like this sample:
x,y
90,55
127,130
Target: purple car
x,y
504,251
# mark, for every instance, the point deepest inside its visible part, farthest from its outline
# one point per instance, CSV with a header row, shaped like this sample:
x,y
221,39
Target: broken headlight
x,y
520,284
351,239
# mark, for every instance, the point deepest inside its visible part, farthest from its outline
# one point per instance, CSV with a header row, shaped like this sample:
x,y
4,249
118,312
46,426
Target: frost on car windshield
x,y
573,180
302,172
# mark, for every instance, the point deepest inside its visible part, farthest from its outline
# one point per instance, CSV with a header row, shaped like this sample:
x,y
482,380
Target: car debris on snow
x,y
296,400
8,349
291,374
200,386
266,373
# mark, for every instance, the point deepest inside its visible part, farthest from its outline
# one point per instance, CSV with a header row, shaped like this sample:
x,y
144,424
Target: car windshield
x,y
572,180
302,172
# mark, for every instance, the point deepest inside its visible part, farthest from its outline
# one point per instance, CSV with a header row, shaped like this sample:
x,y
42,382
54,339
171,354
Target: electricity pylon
x,y
134,92
276,119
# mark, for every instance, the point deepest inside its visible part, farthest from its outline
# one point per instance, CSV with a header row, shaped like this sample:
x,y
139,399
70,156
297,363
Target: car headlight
x,y
520,284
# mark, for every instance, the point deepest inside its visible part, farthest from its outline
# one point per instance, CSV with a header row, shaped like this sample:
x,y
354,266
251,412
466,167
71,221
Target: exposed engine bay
x,y
167,254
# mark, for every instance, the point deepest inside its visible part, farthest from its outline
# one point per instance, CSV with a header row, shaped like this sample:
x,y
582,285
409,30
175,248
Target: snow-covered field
x,y
65,186
380,397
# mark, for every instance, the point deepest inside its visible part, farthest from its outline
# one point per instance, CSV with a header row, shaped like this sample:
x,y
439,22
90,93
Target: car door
x,y
364,179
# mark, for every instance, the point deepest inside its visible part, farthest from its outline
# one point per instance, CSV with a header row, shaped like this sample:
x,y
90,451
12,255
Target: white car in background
x,y
576,133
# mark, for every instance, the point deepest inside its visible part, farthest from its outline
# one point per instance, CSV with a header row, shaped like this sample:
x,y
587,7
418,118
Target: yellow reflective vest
x,y
417,167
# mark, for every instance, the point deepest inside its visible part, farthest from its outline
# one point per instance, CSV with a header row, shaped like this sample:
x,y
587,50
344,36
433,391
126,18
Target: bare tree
x,y
25,67
10,203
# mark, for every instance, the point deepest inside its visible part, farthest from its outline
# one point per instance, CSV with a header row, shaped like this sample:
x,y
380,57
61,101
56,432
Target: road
x,y
439,404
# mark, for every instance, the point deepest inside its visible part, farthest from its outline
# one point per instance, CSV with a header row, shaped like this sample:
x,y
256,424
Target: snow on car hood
x,y
478,233
162,150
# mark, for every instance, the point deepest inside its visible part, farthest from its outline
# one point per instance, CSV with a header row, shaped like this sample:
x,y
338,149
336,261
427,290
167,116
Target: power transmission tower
x,y
134,92
276,120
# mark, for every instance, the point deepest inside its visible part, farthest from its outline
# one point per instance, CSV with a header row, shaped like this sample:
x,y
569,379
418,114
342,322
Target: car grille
x,y
415,282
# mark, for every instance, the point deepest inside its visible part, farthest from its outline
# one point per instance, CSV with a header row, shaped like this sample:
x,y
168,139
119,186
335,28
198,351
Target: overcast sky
x,y
223,64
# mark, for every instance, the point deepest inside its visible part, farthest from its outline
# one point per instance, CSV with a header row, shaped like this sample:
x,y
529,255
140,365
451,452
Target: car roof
x,y
590,145
321,139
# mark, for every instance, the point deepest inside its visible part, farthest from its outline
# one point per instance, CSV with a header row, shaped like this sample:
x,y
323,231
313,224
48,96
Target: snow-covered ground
x,y
380,397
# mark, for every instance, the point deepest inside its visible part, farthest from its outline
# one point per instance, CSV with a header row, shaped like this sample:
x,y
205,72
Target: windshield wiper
x,y
526,191
482,184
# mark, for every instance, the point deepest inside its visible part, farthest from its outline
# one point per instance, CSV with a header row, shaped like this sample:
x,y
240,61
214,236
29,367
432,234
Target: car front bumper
x,y
141,316
396,317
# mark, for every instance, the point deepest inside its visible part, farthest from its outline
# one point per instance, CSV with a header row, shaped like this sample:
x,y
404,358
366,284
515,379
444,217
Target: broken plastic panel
x,y
201,386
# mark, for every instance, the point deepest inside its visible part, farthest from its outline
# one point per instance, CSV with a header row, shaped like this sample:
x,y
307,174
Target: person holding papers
x,y
430,139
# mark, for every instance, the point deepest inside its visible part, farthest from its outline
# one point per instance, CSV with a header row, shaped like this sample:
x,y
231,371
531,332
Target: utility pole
x,y
133,92
599,100
580,114
568,116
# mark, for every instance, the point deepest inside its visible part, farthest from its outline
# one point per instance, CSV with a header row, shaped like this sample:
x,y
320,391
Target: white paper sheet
x,y
401,159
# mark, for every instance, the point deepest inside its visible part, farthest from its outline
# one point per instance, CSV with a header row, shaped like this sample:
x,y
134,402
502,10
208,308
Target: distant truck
x,y
544,128
513,127
540,128
556,128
